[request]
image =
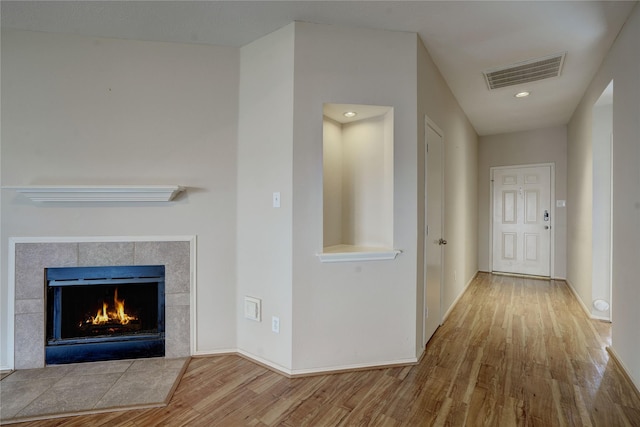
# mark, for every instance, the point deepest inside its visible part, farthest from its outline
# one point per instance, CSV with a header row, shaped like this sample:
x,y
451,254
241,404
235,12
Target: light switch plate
x,y
276,199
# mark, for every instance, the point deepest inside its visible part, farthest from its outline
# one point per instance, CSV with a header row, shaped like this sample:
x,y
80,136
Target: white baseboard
x,y
295,373
266,363
237,352
221,352
625,370
355,367
585,308
455,302
603,318
575,294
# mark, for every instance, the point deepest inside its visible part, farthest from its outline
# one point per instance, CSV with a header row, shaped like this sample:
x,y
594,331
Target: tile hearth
x,y
88,388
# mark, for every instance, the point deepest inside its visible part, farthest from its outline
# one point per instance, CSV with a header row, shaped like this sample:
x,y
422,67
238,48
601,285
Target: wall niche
x,y
357,182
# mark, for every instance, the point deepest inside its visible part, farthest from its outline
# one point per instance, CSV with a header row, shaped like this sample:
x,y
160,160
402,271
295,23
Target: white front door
x,y
433,229
522,220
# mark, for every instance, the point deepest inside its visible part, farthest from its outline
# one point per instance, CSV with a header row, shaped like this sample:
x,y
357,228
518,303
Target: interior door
x,y
434,242
522,220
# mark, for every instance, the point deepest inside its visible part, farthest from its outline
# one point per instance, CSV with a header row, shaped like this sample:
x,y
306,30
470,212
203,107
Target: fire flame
x,y
117,315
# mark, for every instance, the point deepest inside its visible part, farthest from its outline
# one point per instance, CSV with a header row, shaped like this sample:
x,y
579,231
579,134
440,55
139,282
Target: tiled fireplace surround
x,y
31,258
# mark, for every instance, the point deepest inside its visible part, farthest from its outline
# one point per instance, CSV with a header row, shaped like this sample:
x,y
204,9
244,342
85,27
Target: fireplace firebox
x,y
104,313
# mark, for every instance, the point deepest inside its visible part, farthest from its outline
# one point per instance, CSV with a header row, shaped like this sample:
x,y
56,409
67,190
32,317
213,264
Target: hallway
x,y
514,351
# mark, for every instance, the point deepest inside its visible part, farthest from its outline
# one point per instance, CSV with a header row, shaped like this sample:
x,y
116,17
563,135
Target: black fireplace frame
x,y
60,350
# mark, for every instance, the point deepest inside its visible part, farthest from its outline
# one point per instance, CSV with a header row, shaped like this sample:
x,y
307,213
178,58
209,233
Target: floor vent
x,y
525,72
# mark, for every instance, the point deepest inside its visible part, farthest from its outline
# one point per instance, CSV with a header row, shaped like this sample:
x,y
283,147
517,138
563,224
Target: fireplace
x,y
104,313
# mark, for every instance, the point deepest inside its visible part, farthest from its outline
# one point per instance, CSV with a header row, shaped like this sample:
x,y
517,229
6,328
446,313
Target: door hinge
x,y
427,230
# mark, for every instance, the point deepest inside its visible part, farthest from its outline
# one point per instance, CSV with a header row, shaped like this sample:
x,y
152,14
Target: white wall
x,y
80,110
460,141
622,65
235,126
354,313
519,148
367,184
601,225
265,154
348,314
332,182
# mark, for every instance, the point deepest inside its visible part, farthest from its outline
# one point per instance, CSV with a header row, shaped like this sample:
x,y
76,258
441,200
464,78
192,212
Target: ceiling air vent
x,y
525,72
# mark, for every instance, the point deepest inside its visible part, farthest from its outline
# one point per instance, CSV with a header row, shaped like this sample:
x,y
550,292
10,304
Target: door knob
x,y
546,227
442,242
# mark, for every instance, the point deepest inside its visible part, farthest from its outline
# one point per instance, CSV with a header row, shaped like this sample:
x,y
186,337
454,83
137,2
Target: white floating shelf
x,y
349,253
98,193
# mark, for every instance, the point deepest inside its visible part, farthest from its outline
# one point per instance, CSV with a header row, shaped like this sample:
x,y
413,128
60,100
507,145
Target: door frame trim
x,y
552,242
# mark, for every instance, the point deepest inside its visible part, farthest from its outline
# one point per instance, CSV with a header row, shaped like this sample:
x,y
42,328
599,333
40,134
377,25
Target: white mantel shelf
x,y
98,193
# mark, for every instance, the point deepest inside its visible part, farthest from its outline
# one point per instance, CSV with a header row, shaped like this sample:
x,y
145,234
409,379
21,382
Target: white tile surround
x,y
32,257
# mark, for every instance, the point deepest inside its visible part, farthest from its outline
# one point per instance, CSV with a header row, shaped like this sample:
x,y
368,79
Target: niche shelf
x,y
98,193
357,183
347,253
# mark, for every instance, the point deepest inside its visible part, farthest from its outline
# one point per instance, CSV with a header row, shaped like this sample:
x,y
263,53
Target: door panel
x,y
521,220
434,229
531,207
509,244
509,180
531,247
509,207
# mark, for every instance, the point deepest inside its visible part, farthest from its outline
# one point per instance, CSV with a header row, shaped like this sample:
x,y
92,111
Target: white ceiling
x,y
464,39
363,112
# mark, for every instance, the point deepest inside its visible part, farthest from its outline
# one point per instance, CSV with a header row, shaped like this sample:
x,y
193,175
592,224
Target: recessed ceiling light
x,y
522,94
350,114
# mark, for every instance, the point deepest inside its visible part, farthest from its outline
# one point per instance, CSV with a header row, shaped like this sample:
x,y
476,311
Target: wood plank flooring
x,y
513,352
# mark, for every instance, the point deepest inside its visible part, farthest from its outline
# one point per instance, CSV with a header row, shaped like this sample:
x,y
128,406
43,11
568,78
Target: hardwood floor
x,y
513,352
